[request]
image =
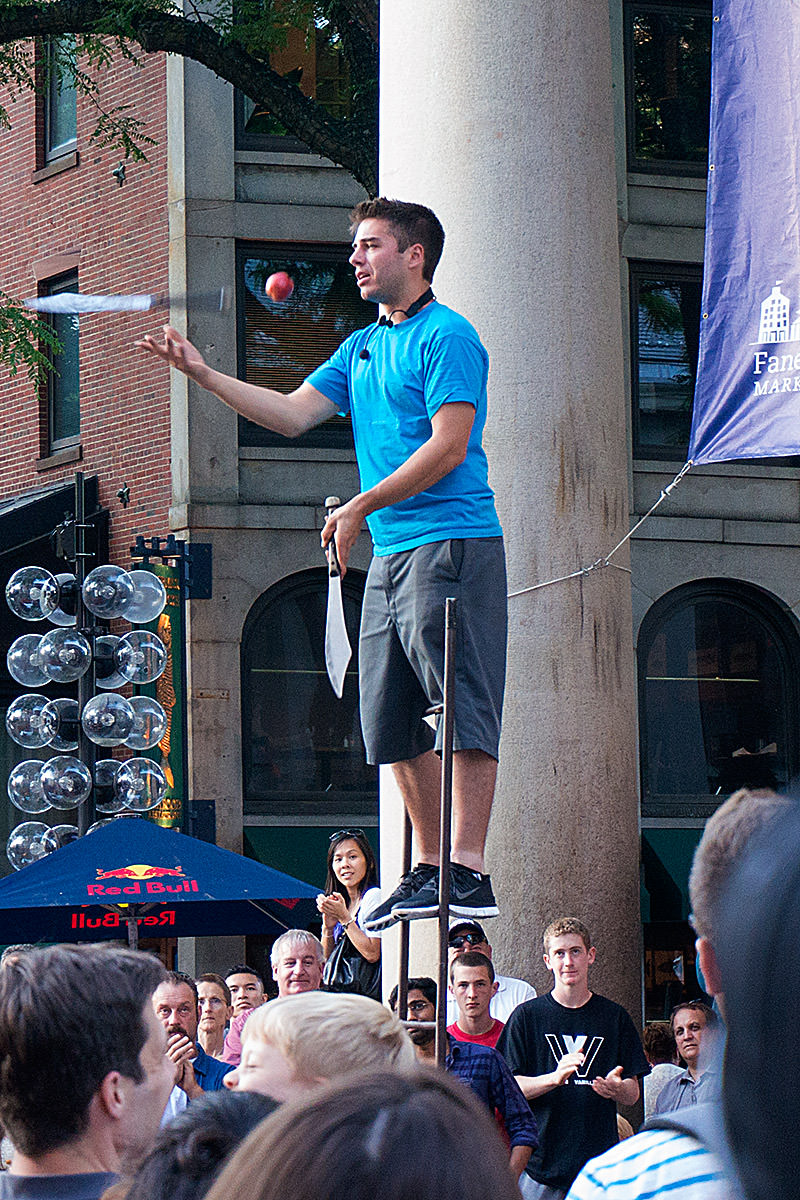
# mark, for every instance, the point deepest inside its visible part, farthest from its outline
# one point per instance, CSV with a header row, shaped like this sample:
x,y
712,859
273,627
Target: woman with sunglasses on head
x,y
351,892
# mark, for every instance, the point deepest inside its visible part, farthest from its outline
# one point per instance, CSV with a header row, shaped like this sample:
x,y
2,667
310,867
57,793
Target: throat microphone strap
x,y
411,311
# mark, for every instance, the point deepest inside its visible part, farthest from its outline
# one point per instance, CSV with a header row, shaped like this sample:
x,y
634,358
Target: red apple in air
x,y
279,286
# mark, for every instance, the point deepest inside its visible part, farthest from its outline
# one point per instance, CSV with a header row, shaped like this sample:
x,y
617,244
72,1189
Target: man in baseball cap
x,y
469,935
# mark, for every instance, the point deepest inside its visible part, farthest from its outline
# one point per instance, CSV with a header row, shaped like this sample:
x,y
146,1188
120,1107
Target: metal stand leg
x,y
445,820
402,983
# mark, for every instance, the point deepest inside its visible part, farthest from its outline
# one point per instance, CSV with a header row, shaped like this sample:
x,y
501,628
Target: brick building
x,y
66,225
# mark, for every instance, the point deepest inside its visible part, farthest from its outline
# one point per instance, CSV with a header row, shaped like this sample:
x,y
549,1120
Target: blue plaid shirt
x,y
486,1072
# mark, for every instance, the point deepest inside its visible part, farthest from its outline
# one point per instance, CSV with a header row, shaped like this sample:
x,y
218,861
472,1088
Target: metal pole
x,y
402,982
189,819
86,684
133,931
445,815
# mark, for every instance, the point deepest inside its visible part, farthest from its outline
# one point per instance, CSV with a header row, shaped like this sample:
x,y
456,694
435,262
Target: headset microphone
x,y
411,311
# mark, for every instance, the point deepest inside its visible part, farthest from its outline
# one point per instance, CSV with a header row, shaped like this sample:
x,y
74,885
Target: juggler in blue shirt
x,y
413,368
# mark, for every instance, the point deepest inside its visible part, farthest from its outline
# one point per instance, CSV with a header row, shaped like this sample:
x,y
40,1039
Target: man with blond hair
x,y
297,1042
576,1055
298,961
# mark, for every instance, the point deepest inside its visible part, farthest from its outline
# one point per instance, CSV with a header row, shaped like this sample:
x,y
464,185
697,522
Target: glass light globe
x,y
149,598
23,662
24,592
25,844
107,590
98,825
60,721
140,784
65,655
59,599
141,656
66,781
58,836
108,719
106,799
149,723
106,673
24,721
25,787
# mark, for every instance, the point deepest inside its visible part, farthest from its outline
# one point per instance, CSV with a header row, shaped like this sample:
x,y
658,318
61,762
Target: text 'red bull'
x,y
141,887
141,879
115,921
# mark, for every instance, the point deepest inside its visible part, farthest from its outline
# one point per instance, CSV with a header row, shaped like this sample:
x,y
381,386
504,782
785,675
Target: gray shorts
x,y
401,650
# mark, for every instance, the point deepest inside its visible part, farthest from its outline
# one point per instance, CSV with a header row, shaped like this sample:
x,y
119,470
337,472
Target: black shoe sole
x,y
382,923
467,910
455,909
415,914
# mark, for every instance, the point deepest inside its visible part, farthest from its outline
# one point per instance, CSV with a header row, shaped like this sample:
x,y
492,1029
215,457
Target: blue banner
x,y
747,398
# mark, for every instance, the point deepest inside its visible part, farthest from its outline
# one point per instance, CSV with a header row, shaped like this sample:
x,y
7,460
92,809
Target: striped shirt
x,y
658,1162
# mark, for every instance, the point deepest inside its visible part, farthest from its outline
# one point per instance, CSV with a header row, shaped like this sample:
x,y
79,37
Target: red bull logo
x,y
139,879
138,871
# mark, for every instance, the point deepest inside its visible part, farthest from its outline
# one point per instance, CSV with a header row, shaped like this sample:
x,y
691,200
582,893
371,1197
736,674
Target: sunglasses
x,y
466,939
346,833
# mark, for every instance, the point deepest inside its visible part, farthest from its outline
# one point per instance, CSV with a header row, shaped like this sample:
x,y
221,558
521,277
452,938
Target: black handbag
x,y
348,971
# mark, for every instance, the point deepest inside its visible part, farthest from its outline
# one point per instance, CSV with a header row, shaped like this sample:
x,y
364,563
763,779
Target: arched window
x,y
302,751
718,710
718,697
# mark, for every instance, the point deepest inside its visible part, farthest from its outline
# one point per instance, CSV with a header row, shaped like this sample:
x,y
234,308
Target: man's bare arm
x,y
290,414
534,1086
519,1160
430,462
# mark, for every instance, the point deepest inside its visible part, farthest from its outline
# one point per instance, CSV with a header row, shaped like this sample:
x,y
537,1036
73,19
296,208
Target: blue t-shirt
x,y
413,368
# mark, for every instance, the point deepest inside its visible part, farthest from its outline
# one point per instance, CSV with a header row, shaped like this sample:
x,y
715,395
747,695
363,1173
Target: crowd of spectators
x,y
121,1079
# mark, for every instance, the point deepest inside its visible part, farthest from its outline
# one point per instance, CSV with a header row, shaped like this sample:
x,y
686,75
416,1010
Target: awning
x,y
34,515
169,885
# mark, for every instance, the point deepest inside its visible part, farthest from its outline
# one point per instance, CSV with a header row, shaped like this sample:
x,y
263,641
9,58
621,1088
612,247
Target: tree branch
x,y
352,142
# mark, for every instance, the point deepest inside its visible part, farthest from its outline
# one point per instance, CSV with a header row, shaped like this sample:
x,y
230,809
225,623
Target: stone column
x,y
500,118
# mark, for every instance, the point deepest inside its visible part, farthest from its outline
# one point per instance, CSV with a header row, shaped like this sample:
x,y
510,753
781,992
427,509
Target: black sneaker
x,y
471,895
384,915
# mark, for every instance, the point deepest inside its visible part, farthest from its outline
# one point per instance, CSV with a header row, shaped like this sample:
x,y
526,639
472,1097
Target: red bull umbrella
x,y
133,879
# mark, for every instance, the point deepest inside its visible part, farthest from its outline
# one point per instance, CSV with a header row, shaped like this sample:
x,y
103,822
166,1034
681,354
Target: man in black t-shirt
x,y
576,1056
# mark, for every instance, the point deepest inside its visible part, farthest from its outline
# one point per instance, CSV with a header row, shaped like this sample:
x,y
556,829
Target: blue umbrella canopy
x,y
134,878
